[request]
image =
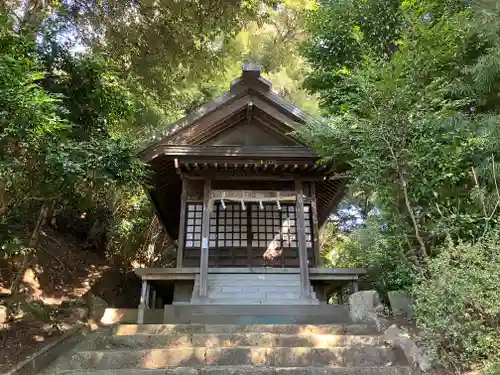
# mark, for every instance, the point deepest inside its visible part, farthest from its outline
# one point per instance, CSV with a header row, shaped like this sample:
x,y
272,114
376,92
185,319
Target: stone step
x,y
268,340
253,276
251,283
254,295
265,301
255,319
237,356
302,329
285,309
256,288
256,281
284,312
246,370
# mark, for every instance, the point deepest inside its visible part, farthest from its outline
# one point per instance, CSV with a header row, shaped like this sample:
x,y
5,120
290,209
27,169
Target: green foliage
x,y
408,132
45,158
342,33
110,83
381,252
271,41
414,112
463,284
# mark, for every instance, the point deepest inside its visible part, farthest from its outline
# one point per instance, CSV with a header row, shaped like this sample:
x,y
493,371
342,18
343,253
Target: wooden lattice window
x,y
228,227
193,225
272,227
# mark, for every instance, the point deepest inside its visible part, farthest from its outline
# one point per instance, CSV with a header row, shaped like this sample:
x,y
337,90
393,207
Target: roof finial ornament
x,y
250,77
251,70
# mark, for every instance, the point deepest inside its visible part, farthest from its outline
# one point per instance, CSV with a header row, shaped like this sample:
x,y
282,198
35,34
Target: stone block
x,y
240,370
362,305
326,341
264,339
412,352
137,342
236,356
140,359
210,340
97,307
396,370
336,356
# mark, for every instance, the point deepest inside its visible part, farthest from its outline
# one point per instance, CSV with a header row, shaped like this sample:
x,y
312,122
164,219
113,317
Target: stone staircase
x,y
201,349
253,289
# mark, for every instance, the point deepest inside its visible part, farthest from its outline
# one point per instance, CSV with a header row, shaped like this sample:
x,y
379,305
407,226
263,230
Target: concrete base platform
x,y
231,314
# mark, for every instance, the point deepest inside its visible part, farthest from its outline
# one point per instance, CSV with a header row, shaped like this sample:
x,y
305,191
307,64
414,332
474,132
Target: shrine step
x,y
197,349
250,370
247,356
283,329
228,340
253,289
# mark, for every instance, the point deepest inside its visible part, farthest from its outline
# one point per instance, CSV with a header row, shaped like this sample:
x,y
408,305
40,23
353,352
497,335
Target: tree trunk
x,y
42,216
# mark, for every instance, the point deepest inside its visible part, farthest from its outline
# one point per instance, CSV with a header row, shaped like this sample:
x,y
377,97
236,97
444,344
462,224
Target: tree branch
x,y
409,208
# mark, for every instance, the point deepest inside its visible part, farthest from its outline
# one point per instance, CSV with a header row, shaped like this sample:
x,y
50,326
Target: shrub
x,y
458,305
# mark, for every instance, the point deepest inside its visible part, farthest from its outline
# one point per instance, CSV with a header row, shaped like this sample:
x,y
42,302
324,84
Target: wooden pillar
x,y
153,299
148,295
205,230
142,303
341,296
315,227
182,225
355,286
301,234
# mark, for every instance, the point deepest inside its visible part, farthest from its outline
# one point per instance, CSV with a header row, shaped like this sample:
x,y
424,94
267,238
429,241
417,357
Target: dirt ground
x,y
61,271
22,338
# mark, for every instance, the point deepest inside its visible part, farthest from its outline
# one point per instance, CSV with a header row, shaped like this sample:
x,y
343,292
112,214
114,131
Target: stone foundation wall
x,y
183,291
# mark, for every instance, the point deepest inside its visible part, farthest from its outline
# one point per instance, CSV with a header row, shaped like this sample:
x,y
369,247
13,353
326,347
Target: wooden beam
x,y
301,234
182,225
242,152
205,230
250,176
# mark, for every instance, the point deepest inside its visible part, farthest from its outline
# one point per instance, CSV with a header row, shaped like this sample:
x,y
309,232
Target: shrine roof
x,y
249,132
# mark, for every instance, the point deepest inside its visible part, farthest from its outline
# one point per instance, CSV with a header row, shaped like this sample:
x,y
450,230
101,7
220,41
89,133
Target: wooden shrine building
x,y
245,199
